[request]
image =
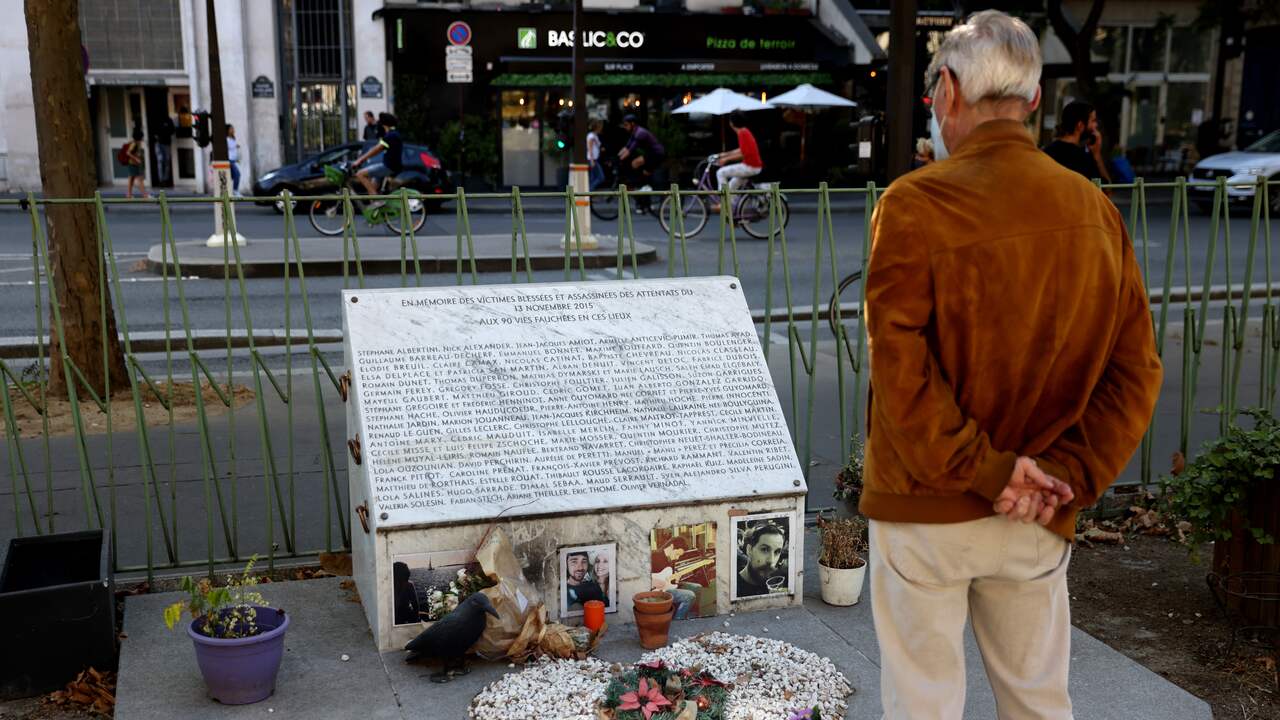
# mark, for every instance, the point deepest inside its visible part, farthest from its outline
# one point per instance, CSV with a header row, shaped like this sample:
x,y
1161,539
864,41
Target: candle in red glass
x,y
593,615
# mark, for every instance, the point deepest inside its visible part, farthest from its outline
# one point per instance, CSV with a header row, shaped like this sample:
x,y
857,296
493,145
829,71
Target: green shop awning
x,y
637,80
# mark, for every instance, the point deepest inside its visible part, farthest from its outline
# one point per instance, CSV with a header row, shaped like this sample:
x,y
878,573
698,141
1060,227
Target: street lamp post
x,y
902,61
578,168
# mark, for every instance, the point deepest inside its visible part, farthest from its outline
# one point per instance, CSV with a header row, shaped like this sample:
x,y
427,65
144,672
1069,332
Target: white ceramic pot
x,y
841,587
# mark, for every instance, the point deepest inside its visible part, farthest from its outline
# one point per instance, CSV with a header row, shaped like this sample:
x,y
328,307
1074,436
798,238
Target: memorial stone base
x,y
537,542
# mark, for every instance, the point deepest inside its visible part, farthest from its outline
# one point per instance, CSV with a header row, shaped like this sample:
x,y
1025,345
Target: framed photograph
x,y
587,573
427,586
764,562
682,561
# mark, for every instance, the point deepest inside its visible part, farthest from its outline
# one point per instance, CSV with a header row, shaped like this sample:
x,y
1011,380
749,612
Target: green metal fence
x,y
291,496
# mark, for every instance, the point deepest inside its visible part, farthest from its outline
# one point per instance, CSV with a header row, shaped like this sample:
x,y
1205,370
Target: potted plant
x,y
239,640
841,567
653,611
849,480
1230,496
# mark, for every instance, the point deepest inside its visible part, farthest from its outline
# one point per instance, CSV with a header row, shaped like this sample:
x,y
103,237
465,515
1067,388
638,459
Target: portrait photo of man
x,y
764,549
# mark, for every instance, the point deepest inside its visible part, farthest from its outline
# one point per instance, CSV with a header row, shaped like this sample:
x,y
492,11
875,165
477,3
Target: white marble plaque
x,y
518,400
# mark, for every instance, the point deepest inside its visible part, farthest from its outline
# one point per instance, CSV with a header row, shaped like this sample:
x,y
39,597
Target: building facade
x,y
297,75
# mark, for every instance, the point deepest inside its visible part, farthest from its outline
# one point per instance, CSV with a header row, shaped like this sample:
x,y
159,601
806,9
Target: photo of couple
x,y
586,573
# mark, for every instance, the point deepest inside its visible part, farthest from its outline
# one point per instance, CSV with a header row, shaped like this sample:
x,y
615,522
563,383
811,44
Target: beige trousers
x,y
1009,579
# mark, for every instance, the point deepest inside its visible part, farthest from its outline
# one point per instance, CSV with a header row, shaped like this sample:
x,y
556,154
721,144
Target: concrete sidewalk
x,y
159,679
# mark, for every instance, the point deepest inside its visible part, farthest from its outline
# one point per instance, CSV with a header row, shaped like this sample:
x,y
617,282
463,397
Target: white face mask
x,y
935,132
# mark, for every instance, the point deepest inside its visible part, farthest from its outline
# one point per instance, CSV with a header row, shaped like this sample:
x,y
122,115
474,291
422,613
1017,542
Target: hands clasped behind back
x,y
1032,494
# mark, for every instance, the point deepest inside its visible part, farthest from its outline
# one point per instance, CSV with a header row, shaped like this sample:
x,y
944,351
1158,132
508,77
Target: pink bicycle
x,y
750,210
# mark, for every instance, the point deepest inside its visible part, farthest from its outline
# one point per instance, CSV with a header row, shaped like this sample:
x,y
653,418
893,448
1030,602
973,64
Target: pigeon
x,y
450,637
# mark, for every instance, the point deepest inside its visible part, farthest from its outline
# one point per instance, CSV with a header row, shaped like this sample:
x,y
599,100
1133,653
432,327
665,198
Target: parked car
x,y
422,172
1260,158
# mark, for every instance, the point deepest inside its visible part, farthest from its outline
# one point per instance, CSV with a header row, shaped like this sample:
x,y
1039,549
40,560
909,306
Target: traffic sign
x,y
459,33
459,77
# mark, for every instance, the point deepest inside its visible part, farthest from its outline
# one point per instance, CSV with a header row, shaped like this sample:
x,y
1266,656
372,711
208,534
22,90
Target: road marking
x,y
15,270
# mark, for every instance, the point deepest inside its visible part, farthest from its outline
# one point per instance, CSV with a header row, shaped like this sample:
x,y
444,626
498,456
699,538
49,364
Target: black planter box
x,y
57,612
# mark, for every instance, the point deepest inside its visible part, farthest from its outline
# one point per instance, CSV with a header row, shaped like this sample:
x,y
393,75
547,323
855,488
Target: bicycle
x,y
835,313
328,217
750,211
605,207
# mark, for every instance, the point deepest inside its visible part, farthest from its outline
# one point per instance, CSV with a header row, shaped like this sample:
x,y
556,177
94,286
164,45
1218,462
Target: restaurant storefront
x,y
646,63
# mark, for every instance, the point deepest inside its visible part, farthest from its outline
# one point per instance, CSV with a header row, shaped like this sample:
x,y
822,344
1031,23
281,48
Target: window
x,y
132,34
1190,50
1148,51
1109,44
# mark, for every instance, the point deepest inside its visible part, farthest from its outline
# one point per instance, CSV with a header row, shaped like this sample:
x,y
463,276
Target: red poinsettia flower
x,y
706,680
648,699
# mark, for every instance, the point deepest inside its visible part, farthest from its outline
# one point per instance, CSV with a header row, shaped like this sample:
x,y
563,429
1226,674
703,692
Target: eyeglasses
x,y
927,98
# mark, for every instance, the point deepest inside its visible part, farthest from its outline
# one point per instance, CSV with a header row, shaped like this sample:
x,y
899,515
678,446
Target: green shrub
x,y
1222,479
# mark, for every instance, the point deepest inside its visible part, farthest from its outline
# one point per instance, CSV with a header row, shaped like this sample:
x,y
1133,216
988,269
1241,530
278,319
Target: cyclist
x,y
645,154
391,147
745,160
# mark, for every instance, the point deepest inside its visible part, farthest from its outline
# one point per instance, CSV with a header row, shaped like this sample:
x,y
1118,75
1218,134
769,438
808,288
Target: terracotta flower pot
x,y
653,628
654,602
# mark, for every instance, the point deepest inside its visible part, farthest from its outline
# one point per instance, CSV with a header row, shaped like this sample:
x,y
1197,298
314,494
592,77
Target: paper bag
x,y
513,597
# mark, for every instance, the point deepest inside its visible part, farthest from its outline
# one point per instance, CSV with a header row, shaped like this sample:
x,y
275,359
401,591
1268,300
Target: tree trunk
x,y
65,144
1078,42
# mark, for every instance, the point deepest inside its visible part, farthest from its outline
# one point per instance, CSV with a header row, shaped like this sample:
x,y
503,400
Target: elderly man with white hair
x,y
1013,373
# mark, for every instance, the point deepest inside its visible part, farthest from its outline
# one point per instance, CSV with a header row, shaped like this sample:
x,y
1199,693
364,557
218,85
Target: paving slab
x,y
159,678
381,254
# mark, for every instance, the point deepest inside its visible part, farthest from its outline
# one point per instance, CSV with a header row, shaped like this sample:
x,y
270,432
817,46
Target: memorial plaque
x,y
471,402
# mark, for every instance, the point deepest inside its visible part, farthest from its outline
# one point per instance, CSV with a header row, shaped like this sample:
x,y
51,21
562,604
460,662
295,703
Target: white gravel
x,y
769,677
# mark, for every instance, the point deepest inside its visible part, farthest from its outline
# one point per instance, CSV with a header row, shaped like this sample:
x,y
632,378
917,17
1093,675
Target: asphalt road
x,y
133,230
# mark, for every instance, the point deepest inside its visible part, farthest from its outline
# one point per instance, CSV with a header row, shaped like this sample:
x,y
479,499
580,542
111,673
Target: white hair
x,y
992,56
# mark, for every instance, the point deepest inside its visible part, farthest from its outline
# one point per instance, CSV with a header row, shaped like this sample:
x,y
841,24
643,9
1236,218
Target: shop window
x,y
115,113
1189,50
520,131
1184,111
1148,54
1109,44
186,164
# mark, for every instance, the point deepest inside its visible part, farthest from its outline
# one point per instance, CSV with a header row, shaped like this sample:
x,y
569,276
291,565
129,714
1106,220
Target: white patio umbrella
x,y
720,101
808,98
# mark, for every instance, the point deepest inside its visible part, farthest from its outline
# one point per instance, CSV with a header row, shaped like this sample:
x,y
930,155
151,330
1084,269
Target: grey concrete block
x,y
159,678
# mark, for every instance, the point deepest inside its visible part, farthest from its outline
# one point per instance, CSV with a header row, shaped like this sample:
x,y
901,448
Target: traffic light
x,y
200,119
564,129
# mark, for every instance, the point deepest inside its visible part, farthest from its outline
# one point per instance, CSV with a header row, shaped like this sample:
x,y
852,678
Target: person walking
x,y
371,131
1078,141
595,172
164,144
133,157
1013,373
233,157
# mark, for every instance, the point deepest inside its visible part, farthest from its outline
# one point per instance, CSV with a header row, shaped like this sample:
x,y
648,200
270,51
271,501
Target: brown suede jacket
x,y
1007,316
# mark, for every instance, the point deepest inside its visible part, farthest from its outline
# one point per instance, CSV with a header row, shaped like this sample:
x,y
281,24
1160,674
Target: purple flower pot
x,y
243,670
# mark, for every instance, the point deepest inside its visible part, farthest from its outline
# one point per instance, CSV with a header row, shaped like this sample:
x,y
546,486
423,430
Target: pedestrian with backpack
x,y
131,157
